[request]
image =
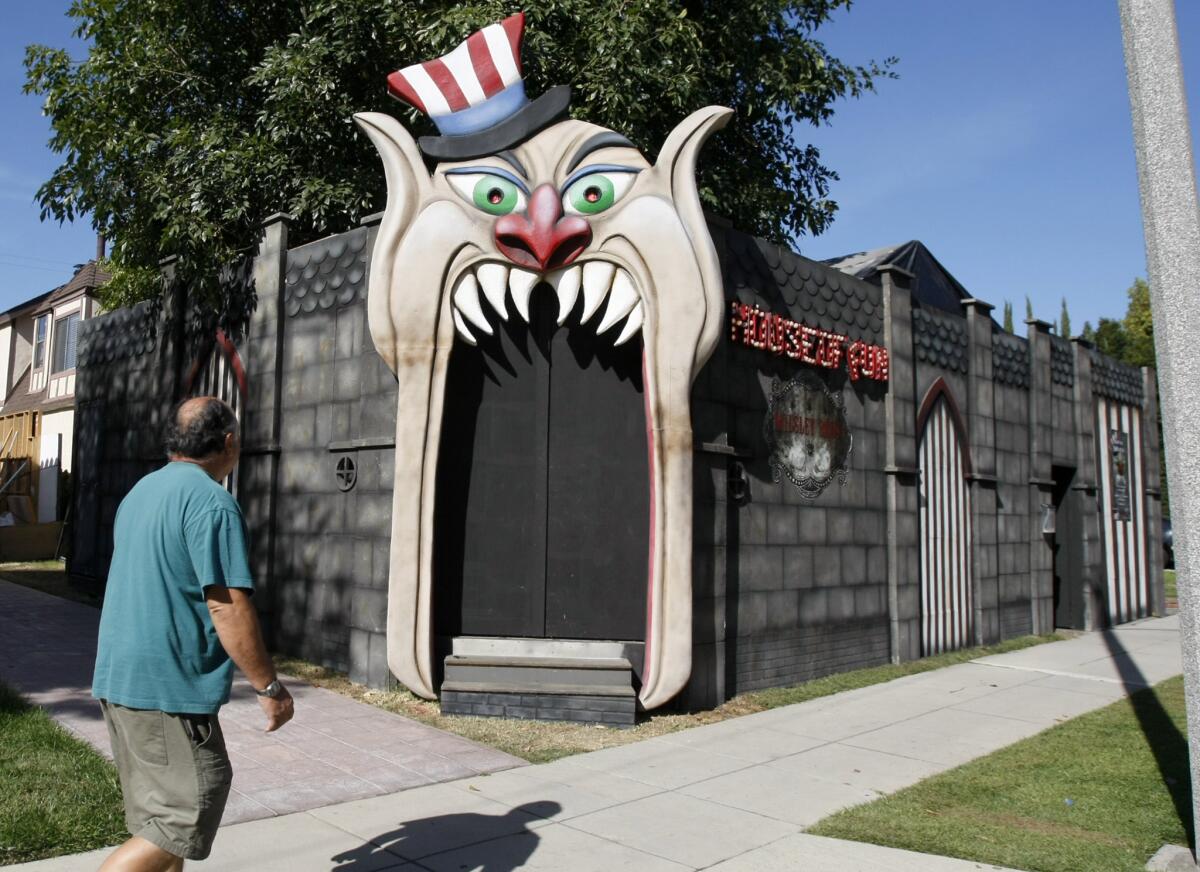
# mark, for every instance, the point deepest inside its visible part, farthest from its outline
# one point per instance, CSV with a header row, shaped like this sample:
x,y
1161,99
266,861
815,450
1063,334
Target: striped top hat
x,y
476,94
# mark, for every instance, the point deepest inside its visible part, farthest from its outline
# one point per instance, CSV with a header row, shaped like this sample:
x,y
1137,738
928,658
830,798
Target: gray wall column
x,y
1086,478
981,433
1041,481
262,358
900,459
171,339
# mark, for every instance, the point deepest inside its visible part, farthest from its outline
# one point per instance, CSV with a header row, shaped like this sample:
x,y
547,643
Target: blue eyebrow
x,y
487,171
597,168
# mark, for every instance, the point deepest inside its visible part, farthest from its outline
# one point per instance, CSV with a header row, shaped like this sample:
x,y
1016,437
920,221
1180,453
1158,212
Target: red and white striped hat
x,y
476,94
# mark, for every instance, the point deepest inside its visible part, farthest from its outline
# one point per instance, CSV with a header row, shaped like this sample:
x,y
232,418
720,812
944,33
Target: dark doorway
x,y
542,521
1066,544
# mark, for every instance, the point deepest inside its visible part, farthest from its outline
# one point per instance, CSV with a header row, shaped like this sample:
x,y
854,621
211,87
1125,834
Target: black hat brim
x,y
522,124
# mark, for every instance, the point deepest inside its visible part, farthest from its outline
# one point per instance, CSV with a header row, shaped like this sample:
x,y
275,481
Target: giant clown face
x,y
579,208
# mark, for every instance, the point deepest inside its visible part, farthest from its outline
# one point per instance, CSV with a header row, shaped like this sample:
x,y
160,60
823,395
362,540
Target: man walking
x,y
176,610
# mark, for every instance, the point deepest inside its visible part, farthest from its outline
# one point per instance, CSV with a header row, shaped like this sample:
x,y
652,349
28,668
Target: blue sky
x,y
1004,146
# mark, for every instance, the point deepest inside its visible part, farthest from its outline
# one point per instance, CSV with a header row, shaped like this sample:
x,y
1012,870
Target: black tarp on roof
x,y
935,287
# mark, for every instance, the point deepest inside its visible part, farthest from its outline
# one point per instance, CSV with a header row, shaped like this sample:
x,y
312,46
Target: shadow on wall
x,y
494,843
1168,745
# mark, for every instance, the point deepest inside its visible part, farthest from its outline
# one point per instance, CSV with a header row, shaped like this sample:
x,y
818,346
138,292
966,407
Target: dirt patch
x,y
1038,826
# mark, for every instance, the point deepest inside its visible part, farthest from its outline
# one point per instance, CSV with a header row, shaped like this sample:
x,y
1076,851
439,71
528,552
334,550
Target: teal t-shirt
x,y
177,532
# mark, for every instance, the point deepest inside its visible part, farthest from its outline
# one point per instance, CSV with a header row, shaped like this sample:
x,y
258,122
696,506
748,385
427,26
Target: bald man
x,y
177,615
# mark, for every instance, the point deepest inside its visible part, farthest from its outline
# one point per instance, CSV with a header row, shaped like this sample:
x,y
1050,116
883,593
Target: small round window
x,y
347,473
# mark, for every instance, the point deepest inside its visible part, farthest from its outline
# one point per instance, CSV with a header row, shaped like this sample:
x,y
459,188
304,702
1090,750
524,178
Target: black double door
x,y
1067,545
542,521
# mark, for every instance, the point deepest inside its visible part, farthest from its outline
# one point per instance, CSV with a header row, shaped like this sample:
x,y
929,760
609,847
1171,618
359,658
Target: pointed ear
x,y
675,170
676,162
408,185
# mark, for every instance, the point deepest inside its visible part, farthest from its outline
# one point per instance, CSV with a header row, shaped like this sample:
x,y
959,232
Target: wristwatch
x,y
272,690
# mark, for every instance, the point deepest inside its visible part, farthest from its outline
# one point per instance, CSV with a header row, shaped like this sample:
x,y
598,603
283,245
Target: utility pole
x,y
1171,218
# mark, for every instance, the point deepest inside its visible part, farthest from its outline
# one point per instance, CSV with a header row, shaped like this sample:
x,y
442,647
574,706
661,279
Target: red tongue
x,y
543,238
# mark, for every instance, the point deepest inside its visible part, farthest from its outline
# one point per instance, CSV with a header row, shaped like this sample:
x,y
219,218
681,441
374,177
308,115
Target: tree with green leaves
x,y
1064,321
189,123
1008,317
1139,329
1129,339
1028,308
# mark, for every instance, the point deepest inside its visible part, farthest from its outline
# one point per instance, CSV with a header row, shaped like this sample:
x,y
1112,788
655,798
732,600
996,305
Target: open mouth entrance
x,y
543,508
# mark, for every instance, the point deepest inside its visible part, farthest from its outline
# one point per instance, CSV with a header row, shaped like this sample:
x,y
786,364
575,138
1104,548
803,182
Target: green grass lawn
x,y
48,576
1169,583
57,795
1100,793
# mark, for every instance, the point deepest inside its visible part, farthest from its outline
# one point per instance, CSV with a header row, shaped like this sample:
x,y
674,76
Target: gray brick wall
x,y
332,545
785,588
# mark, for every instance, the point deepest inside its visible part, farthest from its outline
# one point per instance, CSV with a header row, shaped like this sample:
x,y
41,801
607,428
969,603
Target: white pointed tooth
x,y
466,300
621,299
520,286
462,328
632,325
493,278
566,286
597,276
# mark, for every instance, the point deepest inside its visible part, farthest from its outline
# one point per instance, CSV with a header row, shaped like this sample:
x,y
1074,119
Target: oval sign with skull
x,y
807,433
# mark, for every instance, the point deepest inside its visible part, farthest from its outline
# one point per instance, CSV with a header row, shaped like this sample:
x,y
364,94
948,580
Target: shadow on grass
x,y
1168,745
11,702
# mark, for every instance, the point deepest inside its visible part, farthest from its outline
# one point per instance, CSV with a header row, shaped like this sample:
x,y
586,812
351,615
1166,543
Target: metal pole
x,y
1171,219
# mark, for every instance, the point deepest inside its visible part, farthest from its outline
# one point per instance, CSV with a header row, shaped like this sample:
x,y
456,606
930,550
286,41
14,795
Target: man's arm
x,y
237,627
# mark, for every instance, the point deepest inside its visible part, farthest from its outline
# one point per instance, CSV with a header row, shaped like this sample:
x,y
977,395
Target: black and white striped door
x,y
219,373
1122,520
945,518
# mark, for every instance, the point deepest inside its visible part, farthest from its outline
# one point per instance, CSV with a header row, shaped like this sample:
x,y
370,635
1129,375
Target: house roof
x,y
88,277
20,400
934,285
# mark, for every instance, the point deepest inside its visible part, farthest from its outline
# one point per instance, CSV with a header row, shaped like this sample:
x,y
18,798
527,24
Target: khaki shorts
x,y
175,776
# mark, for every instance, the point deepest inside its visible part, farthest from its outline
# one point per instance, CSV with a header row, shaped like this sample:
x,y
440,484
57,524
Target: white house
x,y
37,399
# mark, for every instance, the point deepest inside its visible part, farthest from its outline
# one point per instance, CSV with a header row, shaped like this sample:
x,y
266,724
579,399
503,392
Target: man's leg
x,y
175,778
139,855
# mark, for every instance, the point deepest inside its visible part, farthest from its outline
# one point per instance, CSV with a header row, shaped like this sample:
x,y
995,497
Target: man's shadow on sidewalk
x,y
420,838
1168,745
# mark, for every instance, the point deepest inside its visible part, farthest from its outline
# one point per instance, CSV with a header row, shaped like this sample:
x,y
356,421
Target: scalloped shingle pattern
x,y
1010,360
117,335
813,293
328,272
1117,381
1062,363
940,340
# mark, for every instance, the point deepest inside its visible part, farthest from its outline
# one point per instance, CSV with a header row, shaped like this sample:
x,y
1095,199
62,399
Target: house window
x,y
39,341
66,332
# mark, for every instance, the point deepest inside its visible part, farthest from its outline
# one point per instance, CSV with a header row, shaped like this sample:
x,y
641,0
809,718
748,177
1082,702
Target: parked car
x,y
1168,545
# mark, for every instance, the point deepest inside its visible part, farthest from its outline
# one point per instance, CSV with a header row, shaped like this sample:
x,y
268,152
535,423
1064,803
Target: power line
x,y
33,257
31,266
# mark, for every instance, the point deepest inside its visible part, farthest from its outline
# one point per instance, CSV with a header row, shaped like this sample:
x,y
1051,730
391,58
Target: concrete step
x,y
581,674
581,689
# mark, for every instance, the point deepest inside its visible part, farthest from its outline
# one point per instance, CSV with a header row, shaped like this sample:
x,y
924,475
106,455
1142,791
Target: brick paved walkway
x,y
334,750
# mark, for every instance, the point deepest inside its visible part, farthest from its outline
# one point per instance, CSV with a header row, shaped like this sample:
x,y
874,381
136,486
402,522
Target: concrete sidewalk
x,y
734,796
334,750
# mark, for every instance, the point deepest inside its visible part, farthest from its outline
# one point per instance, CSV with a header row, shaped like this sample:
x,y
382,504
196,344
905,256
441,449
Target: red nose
x,y
543,238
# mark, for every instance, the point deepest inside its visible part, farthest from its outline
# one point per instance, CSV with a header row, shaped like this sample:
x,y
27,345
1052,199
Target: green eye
x,y
591,194
595,192
495,195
